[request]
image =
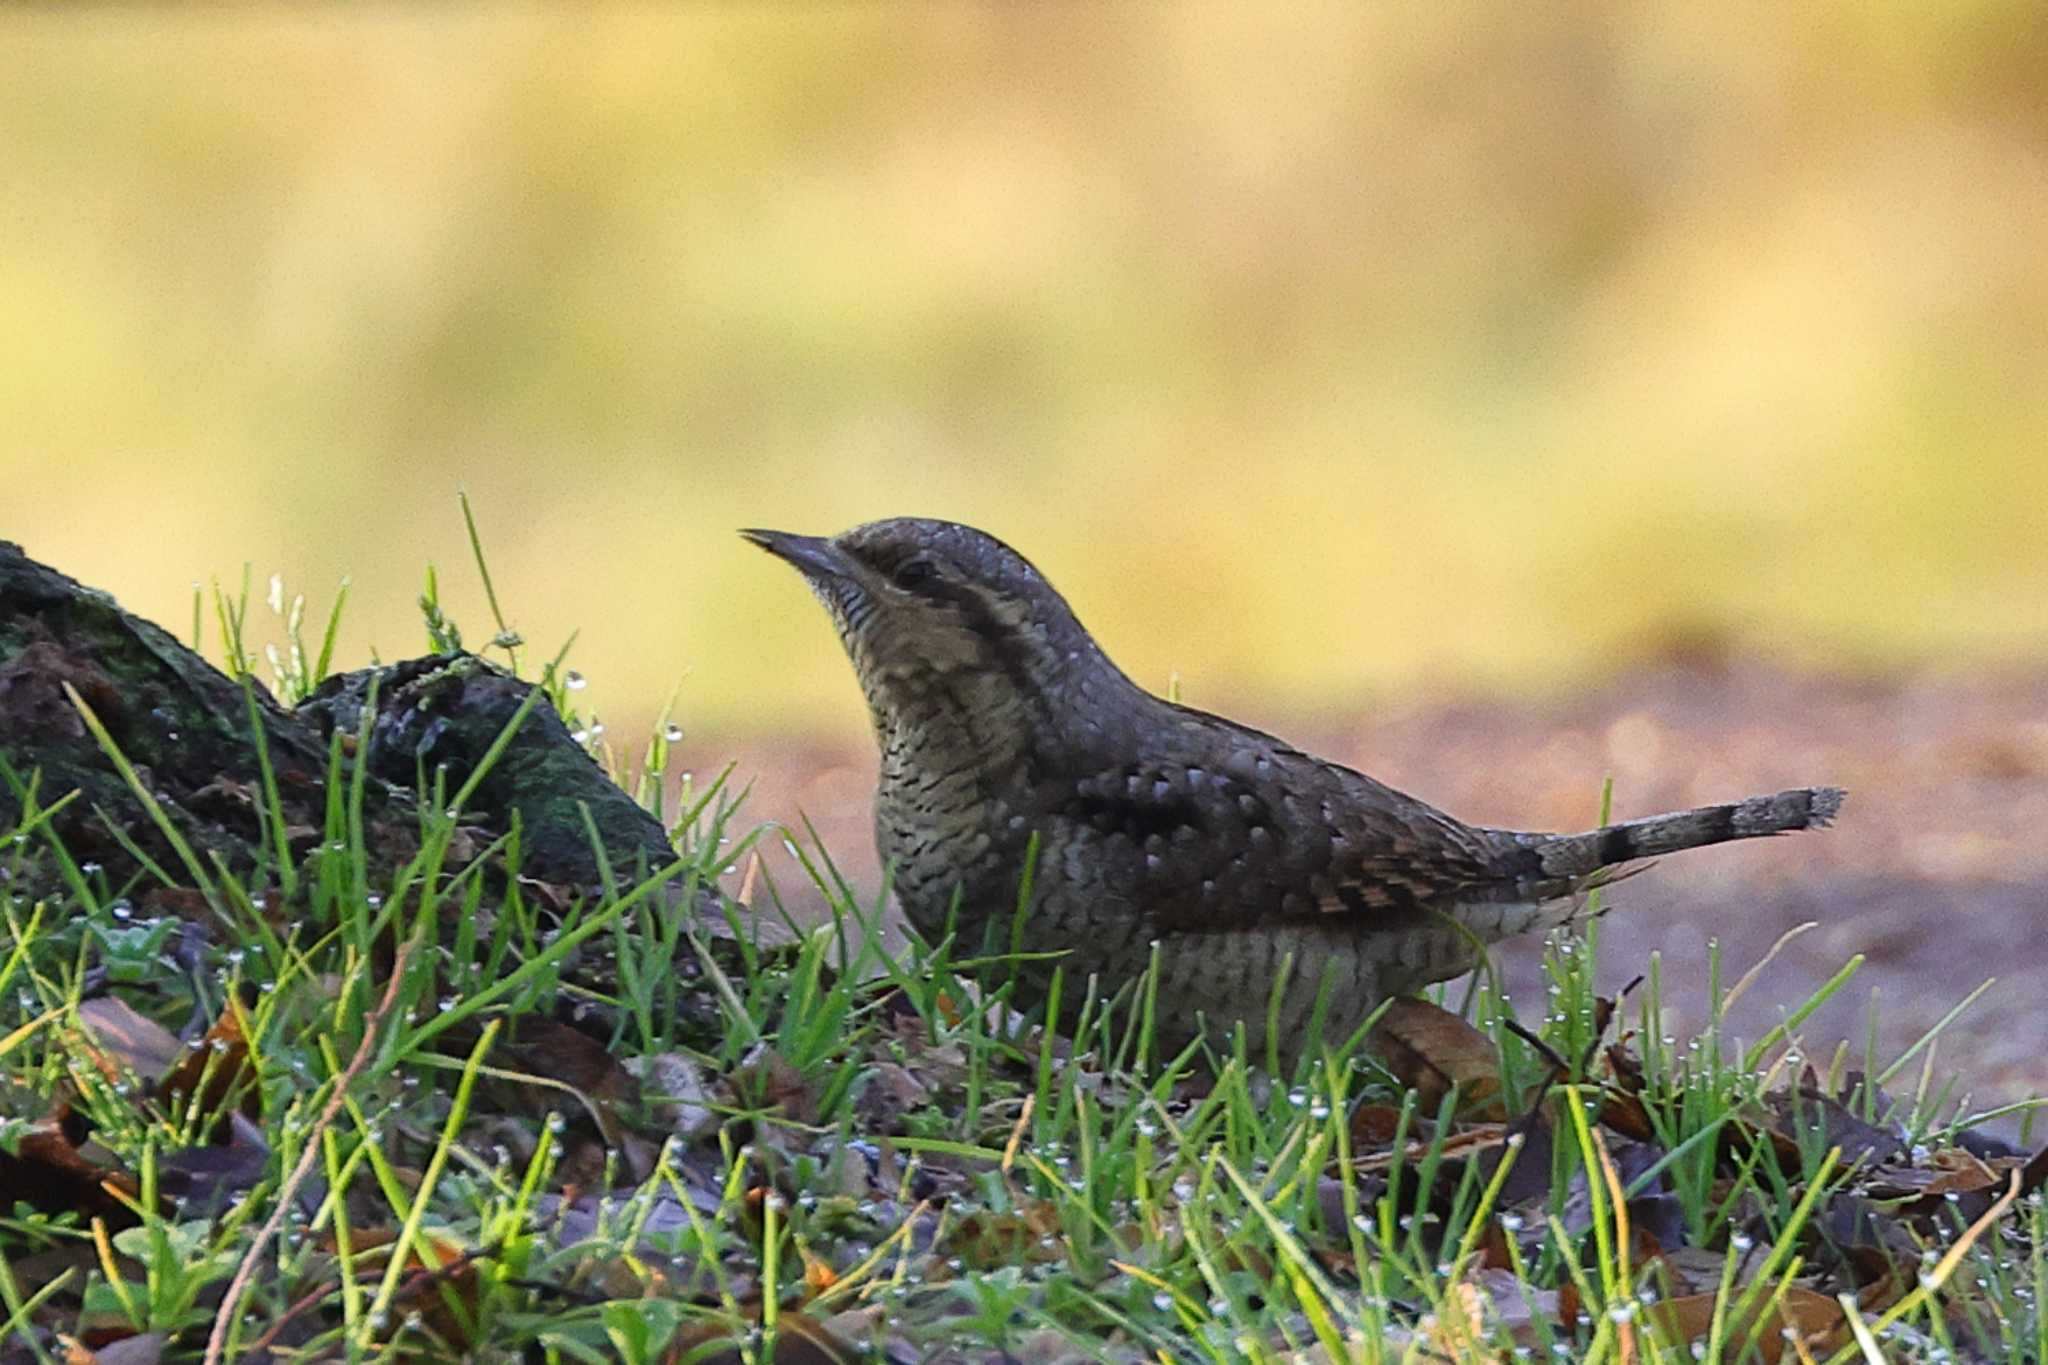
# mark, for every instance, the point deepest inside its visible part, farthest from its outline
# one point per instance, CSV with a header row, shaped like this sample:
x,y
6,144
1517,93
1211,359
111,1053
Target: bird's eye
x,y
912,572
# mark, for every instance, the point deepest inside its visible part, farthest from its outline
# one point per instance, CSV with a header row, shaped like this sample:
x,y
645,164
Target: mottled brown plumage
x,y
999,718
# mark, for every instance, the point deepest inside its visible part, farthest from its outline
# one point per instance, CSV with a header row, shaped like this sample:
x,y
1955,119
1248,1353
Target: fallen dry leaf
x,y
213,1078
126,1043
143,1348
47,1171
1430,1050
1814,1319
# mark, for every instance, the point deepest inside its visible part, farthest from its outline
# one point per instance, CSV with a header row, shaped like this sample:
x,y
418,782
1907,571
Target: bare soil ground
x,y
1937,871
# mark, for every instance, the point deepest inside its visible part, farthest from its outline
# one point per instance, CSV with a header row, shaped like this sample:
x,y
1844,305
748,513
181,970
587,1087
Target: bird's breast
x,y
946,827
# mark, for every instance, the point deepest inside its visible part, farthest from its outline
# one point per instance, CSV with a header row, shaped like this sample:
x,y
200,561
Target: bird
x,y
1271,889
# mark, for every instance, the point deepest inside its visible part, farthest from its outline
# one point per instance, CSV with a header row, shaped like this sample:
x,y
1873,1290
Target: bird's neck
x,y
998,723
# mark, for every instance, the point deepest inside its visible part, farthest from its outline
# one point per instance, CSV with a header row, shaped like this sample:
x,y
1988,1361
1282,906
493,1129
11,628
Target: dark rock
x,y
186,728
189,733
436,720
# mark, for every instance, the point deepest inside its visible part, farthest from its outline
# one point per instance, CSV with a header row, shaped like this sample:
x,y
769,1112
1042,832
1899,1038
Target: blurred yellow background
x,y
1389,346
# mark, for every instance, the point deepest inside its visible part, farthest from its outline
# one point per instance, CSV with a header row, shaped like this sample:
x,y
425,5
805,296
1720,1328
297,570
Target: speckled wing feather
x,y
1263,832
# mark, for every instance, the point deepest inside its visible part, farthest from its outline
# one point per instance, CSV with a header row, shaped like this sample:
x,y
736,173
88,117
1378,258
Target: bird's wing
x,y
1264,832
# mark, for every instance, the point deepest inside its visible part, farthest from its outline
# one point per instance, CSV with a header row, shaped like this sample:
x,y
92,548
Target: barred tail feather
x,y
1581,855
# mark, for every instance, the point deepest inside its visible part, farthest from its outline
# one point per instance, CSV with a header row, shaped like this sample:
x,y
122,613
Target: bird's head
x,y
930,607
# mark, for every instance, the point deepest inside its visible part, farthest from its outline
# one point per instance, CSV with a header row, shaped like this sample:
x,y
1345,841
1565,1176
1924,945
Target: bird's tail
x,y
1581,855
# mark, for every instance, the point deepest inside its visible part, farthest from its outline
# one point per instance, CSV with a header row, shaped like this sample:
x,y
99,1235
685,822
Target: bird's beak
x,y
815,557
